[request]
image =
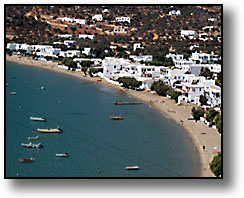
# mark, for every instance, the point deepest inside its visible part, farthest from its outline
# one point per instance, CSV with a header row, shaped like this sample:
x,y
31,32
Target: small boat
x,y
42,88
132,167
31,145
6,84
26,159
56,130
126,103
99,80
38,119
33,138
116,117
13,93
62,155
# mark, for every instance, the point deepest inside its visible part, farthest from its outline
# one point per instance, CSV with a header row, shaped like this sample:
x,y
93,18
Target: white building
x,y
73,20
112,66
65,36
212,19
86,51
204,57
137,46
70,53
122,19
175,57
97,17
80,21
214,96
119,29
86,36
188,34
174,13
69,42
145,58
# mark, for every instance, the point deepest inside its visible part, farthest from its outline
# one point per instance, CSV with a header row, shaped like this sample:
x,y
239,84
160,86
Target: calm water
x,y
159,146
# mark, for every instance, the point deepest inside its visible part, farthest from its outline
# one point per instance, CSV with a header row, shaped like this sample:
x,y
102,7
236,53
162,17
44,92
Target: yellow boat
x,y
57,130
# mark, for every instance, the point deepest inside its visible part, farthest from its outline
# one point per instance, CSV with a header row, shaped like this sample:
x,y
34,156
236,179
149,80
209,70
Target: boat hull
x,y
49,130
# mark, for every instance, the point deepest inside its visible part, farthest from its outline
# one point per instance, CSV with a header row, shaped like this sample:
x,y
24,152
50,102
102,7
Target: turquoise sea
x,y
146,138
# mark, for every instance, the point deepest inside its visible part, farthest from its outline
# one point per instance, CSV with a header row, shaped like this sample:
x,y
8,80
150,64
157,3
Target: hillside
x,y
152,26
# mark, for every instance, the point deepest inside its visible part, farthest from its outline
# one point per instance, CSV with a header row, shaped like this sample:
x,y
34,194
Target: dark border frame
x,y
222,96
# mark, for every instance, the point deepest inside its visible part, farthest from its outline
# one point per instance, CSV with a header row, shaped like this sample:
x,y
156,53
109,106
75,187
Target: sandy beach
x,y
201,134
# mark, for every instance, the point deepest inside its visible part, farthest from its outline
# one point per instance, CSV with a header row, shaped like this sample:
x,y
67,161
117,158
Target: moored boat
x,y
116,117
38,119
31,145
132,167
33,138
13,93
55,130
126,103
26,159
62,155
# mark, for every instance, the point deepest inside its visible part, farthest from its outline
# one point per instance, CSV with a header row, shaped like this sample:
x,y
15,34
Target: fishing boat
x,y
55,130
116,117
31,145
126,103
26,159
132,167
38,119
13,93
42,88
33,138
62,155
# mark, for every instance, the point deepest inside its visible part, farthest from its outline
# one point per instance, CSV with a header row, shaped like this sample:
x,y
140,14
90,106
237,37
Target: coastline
x,y
182,112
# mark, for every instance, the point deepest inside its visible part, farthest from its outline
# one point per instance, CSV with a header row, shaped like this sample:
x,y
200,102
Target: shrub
x,y
197,113
216,166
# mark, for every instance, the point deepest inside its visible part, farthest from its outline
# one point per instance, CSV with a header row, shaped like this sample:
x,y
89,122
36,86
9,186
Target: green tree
x,y
69,62
217,121
203,100
174,94
197,113
206,73
216,165
160,87
211,115
129,82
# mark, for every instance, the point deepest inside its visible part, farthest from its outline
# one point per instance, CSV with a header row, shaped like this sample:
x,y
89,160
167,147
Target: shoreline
x,y
163,104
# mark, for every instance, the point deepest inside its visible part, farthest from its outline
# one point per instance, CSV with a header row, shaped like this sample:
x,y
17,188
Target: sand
x,y
166,106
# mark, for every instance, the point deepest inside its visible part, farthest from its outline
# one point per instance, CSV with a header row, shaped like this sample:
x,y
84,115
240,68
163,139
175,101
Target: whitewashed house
x,y
69,42
80,21
174,13
86,51
212,19
112,66
86,36
183,64
119,29
122,19
145,58
65,36
70,53
97,17
214,96
137,46
188,34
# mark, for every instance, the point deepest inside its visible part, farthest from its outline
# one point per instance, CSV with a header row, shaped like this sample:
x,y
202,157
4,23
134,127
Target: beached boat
x,y
126,103
13,93
56,130
116,117
26,159
31,145
38,119
62,155
132,167
33,138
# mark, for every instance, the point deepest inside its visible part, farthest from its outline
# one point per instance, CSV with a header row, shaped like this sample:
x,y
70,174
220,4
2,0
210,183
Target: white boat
x,y
31,145
132,167
33,138
62,155
38,119
13,93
